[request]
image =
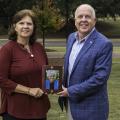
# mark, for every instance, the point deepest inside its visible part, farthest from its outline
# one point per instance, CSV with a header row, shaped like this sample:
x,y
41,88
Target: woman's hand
x,y
35,92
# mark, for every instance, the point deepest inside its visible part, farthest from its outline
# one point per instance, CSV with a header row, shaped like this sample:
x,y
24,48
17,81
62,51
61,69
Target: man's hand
x,y
63,93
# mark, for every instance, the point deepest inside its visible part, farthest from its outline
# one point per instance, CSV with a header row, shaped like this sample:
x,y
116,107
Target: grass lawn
x,y
109,27
113,86
116,49
114,95
114,98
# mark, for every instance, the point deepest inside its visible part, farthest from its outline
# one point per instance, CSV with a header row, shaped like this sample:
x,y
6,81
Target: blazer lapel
x,y
88,43
71,41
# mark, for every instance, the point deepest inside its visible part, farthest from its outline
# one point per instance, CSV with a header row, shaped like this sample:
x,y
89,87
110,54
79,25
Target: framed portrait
x,y
52,79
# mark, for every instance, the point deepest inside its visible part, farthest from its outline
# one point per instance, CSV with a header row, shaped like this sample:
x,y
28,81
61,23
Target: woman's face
x,y
24,28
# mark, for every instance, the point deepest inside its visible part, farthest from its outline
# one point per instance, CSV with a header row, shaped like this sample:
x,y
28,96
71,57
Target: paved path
x,y
49,44
62,43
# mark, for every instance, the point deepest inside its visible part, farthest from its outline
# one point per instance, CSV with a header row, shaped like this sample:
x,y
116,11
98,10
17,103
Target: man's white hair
x,y
89,7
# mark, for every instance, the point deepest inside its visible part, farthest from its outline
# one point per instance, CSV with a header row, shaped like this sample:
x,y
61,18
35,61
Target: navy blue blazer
x,y
88,80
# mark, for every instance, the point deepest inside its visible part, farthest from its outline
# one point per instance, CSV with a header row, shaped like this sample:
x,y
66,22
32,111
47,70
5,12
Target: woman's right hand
x,y
35,92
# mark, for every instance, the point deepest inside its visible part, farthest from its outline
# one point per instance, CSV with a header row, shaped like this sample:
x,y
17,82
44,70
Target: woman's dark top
x,y
17,66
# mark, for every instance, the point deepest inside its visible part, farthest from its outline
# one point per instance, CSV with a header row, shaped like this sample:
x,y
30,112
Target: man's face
x,y
84,20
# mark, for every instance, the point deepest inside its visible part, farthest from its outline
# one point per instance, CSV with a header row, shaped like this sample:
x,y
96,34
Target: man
x,y
87,68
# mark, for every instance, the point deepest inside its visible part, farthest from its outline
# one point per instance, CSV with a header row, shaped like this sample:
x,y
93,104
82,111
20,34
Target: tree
x,y
66,10
48,17
103,7
9,7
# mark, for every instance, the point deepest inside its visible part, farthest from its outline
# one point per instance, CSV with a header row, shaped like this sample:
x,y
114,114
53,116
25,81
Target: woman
x,y
21,61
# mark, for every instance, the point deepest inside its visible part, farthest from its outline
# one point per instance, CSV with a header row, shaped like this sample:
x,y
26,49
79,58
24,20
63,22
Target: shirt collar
x,y
85,38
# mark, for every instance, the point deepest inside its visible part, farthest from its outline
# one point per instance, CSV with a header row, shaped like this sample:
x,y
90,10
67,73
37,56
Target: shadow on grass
x,y
50,50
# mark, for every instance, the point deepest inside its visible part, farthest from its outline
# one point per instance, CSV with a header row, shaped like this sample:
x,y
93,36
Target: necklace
x,y
27,48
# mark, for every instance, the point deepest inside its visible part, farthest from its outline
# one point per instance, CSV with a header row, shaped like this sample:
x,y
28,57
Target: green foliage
x,y
48,16
54,14
9,7
103,7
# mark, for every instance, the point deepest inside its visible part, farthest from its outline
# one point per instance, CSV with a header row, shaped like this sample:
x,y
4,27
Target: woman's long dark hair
x,y
17,17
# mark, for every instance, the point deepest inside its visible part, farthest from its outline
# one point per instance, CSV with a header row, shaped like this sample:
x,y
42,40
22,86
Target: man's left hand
x,y
63,93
